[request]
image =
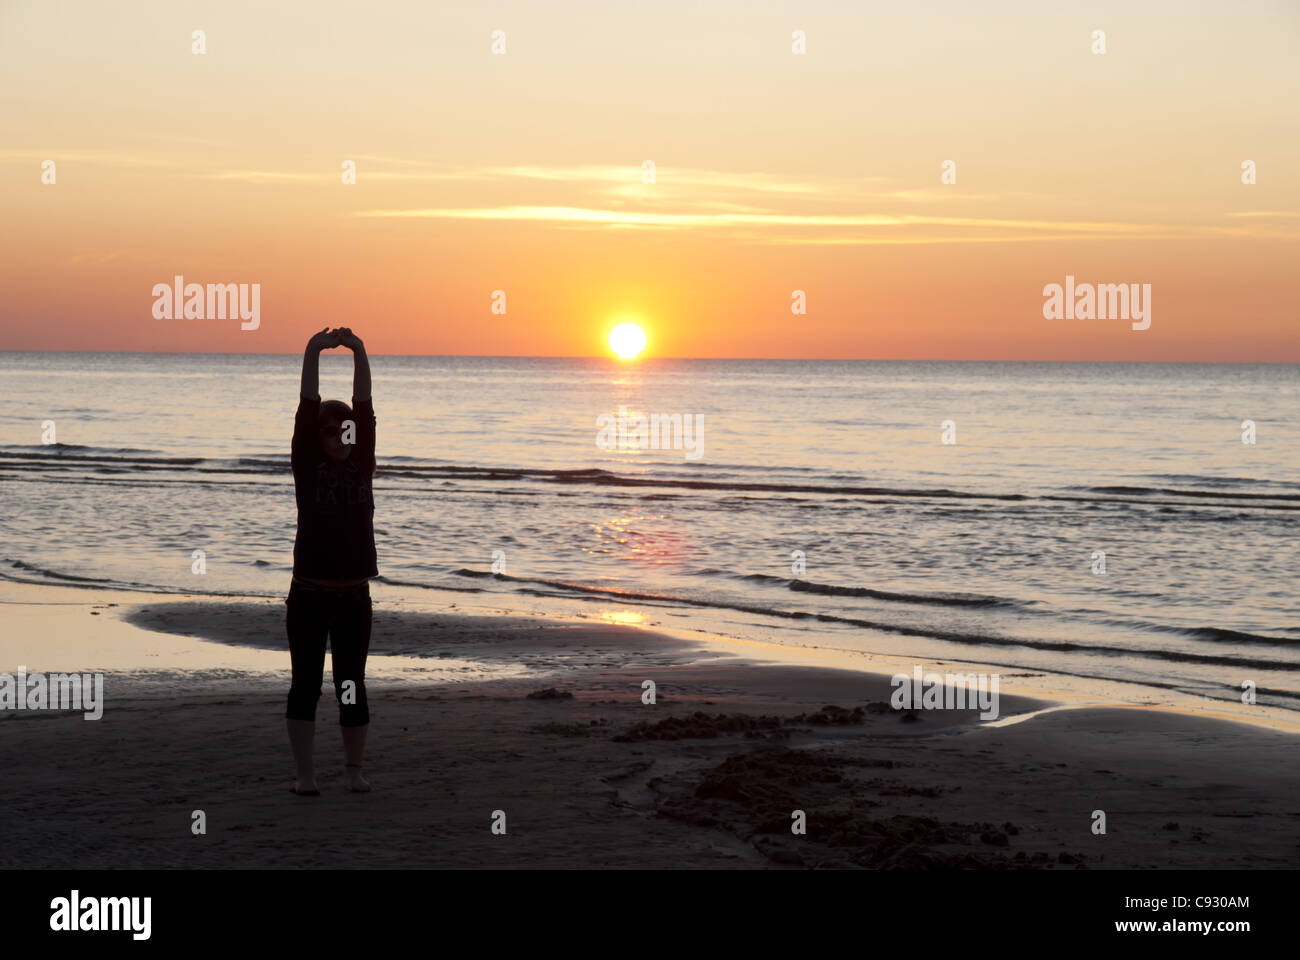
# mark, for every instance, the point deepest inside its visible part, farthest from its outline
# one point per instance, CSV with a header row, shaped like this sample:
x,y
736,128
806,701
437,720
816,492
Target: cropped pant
x,y
343,615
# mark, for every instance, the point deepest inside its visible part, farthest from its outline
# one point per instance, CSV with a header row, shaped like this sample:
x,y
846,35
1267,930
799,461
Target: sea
x,y
1136,524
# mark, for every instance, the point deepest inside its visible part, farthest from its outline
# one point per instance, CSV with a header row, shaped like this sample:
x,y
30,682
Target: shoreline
x,y
588,775
404,630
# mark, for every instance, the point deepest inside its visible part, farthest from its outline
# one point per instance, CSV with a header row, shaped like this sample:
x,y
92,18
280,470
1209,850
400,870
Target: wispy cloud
x,y
748,205
620,177
85,157
833,229
733,219
629,178
881,240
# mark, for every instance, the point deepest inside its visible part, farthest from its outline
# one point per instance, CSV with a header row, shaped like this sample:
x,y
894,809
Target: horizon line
x,y
631,363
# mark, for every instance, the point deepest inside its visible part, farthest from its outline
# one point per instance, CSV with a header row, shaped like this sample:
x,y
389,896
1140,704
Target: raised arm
x,y
360,363
311,361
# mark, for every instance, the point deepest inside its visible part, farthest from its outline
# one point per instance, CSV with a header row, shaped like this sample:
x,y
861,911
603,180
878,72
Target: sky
x,y
774,172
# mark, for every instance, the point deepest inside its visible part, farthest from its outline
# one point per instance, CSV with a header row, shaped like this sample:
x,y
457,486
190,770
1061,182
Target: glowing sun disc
x,y
627,340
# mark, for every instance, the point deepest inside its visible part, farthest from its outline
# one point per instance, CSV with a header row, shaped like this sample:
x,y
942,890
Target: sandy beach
x,y
586,774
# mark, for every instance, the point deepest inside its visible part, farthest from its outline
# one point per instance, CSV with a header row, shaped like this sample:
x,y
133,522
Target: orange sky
x,y
774,172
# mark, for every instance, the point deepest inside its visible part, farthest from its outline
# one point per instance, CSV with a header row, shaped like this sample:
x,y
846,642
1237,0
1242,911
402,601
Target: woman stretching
x,y
333,457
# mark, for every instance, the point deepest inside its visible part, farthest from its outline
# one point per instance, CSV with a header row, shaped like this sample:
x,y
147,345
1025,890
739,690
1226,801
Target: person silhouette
x,y
333,461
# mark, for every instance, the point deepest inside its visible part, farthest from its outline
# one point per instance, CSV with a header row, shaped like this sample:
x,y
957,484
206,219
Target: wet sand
x,y
588,775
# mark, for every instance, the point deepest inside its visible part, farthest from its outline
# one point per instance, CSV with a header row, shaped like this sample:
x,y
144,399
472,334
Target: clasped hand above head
x,y
328,338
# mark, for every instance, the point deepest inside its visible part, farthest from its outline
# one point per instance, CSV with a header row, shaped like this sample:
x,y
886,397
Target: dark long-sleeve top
x,y
336,504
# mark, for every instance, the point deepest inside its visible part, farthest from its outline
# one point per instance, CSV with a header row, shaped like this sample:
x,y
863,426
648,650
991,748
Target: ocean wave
x,y
1224,494
614,594
57,456
72,578
938,599
1206,480
430,586
834,590
44,577
57,449
1222,635
1204,633
71,453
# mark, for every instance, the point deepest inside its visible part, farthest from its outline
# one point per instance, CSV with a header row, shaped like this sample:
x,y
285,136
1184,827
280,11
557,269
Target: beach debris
x,y
640,766
751,795
550,693
571,729
700,726
833,715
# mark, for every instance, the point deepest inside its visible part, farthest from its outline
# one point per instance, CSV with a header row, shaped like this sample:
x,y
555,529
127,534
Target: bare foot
x,y
355,781
306,788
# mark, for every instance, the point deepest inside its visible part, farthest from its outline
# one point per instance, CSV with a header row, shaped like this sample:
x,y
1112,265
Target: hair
x,y
332,409
335,408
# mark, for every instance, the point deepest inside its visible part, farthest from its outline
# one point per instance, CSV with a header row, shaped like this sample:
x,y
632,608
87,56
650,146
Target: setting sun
x,y
627,340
